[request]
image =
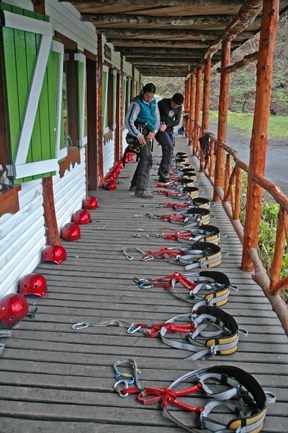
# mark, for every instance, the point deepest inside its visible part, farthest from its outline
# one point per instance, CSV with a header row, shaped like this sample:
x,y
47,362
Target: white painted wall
x,y
108,155
22,237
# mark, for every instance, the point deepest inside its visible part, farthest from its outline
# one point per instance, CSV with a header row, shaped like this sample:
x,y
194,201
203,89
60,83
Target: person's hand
x,y
162,127
152,135
141,139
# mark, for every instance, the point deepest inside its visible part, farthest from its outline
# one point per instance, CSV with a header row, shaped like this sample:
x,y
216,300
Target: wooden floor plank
x,y
56,379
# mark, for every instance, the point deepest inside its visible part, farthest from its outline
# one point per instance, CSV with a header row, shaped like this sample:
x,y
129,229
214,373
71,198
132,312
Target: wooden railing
x,y
230,197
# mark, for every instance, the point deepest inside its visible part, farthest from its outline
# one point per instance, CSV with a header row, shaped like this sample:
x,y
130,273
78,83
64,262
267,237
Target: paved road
x,y
276,157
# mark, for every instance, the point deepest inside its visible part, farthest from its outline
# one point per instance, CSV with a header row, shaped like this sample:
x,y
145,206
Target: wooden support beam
x,y
39,6
246,59
245,17
191,21
206,94
192,109
259,139
222,119
52,233
161,52
99,112
121,120
92,125
194,45
162,60
160,33
159,3
197,109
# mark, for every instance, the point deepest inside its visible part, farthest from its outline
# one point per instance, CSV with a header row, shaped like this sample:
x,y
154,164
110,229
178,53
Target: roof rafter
x,y
158,3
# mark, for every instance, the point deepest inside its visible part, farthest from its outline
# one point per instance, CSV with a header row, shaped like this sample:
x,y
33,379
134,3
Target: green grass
x,y
243,122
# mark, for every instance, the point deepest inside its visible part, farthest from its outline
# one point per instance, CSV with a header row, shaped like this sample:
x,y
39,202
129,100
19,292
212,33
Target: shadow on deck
x,y
57,379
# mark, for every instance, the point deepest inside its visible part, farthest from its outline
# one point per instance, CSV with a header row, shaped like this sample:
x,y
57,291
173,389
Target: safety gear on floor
x,y
110,184
13,308
54,253
33,284
81,216
71,232
90,202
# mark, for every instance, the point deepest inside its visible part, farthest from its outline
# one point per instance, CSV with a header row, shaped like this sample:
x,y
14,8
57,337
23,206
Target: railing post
x,y
192,110
206,96
258,144
187,106
121,120
99,111
222,117
197,109
133,83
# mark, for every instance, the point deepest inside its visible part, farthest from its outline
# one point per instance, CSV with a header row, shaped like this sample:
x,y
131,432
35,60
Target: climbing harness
x,y
198,202
240,393
200,254
185,193
206,233
192,217
209,288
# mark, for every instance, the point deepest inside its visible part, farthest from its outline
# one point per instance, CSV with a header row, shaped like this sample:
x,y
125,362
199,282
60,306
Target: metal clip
x,y
80,325
2,347
146,286
118,390
121,376
132,329
148,258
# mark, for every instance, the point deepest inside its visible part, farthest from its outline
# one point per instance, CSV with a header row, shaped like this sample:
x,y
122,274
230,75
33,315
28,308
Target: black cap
x,y
178,98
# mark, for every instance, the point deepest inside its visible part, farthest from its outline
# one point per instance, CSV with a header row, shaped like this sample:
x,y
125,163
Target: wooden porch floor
x,y
57,379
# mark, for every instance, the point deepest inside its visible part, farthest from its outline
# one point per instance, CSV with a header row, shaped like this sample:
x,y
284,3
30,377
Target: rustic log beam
x,y
247,59
236,214
99,112
161,43
235,155
159,33
192,110
229,212
163,60
161,52
259,139
206,94
273,189
39,6
187,102
121,107
197,109
193,21
159,3
276,266
245,17
222,118
261,278
52,233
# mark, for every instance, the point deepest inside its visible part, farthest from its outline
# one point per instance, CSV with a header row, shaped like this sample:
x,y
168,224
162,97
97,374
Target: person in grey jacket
x,y
170,116
143,120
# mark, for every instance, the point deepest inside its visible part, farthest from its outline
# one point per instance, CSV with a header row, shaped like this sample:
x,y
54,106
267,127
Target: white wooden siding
x,y
22,237
125,132
69,192
108,155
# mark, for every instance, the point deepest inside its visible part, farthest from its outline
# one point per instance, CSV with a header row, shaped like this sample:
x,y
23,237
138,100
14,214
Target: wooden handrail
x,y
273,189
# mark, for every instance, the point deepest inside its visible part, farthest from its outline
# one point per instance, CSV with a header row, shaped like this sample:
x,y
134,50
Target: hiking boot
x,y
163,177
132,188
143,193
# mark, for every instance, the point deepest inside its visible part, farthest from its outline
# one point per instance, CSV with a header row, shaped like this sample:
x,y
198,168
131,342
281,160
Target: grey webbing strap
x,y
82,325
128,256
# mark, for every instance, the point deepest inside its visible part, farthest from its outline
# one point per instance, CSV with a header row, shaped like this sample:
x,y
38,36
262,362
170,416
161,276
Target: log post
x,y
192,110
133,83
197,109
222,118
206,96
187,130
99,111
278,250
121,120
258,144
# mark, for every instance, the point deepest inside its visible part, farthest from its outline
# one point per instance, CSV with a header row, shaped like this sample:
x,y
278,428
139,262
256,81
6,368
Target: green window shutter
x,y
105,76
114,90
32,71
81,71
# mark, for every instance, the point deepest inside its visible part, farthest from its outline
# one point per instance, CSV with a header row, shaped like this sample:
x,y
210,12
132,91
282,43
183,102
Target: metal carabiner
x,y
80,325
132,329
146,286
121,376
118,390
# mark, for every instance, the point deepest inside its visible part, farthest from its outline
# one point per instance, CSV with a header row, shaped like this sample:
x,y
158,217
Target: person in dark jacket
x,y
143,120
170,116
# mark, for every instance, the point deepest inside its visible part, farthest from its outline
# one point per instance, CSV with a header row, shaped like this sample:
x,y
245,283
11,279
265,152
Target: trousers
x,y
142,173
166,142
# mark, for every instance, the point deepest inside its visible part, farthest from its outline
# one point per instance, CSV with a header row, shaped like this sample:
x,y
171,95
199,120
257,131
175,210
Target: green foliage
x,y
167,86
267,231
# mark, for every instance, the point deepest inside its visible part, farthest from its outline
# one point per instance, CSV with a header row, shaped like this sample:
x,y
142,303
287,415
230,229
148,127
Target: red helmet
x,y
71,232
110,175
82,216
33,284
54,253
116,171
110,184
119,164
90,202
13,308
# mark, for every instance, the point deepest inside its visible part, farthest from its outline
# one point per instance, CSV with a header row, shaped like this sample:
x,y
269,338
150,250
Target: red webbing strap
x,y
162,252
154,329
176,276
165,395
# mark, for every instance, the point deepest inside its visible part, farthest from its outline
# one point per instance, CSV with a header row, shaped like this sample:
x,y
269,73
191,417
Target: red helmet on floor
x,y
81,216
90,202
33,284
54,253
110,184
13,308
110,175
71,232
